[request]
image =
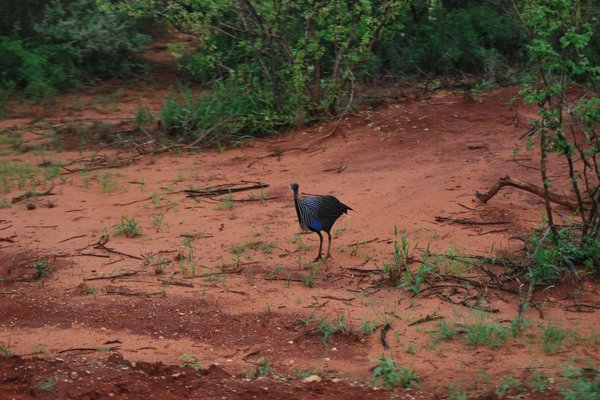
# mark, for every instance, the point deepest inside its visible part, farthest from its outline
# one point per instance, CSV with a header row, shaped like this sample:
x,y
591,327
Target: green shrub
x,y
549,260
231,112
388,373
90,42
447,38
28,70
68,42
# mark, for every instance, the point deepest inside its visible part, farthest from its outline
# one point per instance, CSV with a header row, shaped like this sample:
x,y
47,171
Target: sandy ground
x,y
229,280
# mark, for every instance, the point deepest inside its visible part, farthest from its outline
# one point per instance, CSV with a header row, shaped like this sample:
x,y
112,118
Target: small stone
x,y
312,378
30,206
74,375
176,375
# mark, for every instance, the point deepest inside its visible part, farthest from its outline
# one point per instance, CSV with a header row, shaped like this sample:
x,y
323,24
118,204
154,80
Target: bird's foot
x,y
319,258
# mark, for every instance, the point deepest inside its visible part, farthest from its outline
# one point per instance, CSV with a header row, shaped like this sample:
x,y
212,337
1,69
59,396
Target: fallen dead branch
x,y
465,221
30,194
113,276
90,349
427,318
582,307
225,188
528,187
384,332
71,238
176,282
125,291
8,239
101,245
98,161
338,298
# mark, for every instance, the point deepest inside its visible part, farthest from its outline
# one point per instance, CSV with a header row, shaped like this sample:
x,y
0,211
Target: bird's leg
x,y
328,246
320,247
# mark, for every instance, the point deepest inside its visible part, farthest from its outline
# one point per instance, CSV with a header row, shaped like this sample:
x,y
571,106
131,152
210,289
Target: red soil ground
x,y
402,165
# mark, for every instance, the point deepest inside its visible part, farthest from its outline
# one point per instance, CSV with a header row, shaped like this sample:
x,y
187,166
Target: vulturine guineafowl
x,y
318,213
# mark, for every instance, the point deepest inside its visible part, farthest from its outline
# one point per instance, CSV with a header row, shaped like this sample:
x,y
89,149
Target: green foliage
x,y
553,338
489,334
445,331
189,360
551,259
508,385
539,382
328,329
29,70
128,227
41,269
444,38
16,174
48,385
92,42
5,351
564,51
389,374
143,117
63,43
583,384
230,113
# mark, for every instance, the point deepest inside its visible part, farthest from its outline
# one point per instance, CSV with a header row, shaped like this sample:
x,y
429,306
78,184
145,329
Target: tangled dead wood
x,y
528,187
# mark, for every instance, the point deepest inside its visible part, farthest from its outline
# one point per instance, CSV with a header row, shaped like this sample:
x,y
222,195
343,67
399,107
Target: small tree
x,y
304,53
561,33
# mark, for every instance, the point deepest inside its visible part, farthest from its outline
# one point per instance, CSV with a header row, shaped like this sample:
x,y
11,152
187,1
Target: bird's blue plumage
x,y
316,225
311,202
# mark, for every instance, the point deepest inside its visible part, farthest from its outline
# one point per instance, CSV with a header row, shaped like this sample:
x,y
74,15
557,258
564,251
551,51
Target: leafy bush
x,y
89,42
446,39
390,374
28,69
69,42
551,259
229,113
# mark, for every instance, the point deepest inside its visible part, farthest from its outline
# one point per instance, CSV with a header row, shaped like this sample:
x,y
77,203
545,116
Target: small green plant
x,y
108,182
143,117
309,278
389,374
158,221
328,329
508,385
553,338
457,393
41,269
156,199
367,327
264,368
226,203
274,273
5,350
539,383
403,256
411,348
48,385
189,360
582,384
128,227
486,333
445,331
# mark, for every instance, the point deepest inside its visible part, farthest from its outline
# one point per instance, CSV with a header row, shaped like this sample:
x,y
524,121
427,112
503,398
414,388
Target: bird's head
x,y
294,186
